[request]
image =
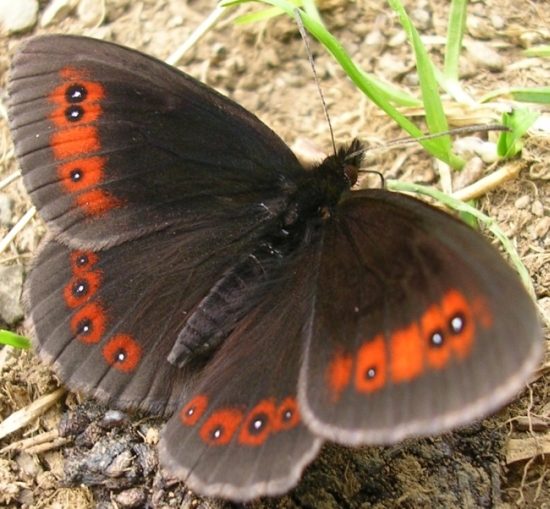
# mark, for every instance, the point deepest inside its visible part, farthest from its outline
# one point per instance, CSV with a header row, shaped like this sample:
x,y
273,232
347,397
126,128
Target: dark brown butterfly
x,y
194,267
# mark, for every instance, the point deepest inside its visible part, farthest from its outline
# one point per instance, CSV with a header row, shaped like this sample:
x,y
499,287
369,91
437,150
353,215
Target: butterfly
x,y
194,269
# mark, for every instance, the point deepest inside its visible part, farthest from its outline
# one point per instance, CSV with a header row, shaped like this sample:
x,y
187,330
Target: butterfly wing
x,y
114,144
160,182
419,324
240,434
89,309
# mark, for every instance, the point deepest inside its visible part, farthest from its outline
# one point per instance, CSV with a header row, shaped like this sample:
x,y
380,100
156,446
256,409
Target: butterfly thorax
x,y
320,192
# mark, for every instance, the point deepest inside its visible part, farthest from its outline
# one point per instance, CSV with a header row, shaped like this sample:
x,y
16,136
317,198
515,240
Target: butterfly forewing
x,y
114,144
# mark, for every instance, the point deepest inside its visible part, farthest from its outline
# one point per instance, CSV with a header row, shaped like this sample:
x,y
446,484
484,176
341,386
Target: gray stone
x,y
18,16
11,284
6,204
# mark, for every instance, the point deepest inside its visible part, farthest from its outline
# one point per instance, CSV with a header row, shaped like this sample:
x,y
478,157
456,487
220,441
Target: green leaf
x,y
537,95
519,121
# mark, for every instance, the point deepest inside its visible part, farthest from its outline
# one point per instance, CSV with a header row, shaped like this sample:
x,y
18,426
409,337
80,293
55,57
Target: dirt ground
x,y
264,67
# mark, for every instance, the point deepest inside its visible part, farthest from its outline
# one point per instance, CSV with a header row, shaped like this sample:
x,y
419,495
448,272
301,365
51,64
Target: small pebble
x,y
530,39
392,67
472,172
6,205
398,39
421,19
472,146
91,12
119,464
484,57
28,464
537,208
480,28
56,11
18,15
522,202
114,419
375,39
542,227
11,285
498,22
134,497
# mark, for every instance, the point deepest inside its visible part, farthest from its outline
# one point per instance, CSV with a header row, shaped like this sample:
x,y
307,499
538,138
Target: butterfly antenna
x,y
312,63
476,128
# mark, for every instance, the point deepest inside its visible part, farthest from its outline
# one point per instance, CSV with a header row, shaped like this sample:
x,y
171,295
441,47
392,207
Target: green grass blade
x,y
15,340
311,9
455,36
433,106
435,115
537,51
372,88
537,95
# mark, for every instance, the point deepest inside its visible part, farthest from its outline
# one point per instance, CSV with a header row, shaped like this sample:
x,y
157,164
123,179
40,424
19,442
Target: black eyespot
x,y
80,288
437,339
76,175
257,424
82,260
370,373
216,433
74,113
288,415
84,327
120,355
76,94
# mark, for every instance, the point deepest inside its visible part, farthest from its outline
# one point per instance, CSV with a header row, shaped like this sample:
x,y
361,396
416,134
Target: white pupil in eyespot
x,y
437,339
457,324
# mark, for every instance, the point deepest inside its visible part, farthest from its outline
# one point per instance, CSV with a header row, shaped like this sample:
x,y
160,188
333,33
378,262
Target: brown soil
x,y
264,67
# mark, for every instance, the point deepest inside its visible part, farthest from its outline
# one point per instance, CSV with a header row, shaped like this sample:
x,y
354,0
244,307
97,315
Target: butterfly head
x,y
336,175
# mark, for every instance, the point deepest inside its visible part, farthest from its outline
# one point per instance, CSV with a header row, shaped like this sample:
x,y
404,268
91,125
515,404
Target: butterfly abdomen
x,y
229,300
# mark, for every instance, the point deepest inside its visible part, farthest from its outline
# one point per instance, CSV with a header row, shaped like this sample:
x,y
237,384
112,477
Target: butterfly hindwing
x,y
240,434
434,328
79,302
